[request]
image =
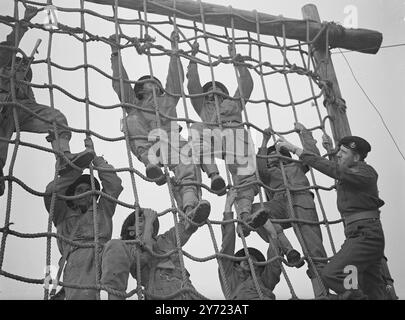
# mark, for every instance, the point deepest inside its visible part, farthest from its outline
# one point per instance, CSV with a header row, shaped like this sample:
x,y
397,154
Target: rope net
x,y
284,92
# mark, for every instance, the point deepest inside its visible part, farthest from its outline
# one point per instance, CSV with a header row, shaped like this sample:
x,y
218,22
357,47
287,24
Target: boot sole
x,y
161,181
202,212
218,185
221,192
82,161
296,260
154,172
259,219
245,231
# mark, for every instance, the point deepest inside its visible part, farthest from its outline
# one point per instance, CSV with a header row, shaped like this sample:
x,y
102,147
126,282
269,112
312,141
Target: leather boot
x,y
294,258
258,218
244,216
81,159
200,213
218,184
155,172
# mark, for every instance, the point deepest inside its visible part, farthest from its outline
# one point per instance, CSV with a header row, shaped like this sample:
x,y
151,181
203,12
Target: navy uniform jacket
x,y
356,185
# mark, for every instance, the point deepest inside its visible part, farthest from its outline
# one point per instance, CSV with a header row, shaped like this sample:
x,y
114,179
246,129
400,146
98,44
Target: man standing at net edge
x,y
358,204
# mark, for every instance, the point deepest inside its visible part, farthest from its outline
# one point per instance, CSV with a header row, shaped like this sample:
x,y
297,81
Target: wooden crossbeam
x,y
362,40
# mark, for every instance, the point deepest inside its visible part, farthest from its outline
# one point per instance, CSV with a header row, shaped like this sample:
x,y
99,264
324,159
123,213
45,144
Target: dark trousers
x,y
304,208
388,281
363,249
29,123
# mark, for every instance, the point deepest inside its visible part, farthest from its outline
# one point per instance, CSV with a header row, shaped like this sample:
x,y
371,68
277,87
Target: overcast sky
x,y
381,76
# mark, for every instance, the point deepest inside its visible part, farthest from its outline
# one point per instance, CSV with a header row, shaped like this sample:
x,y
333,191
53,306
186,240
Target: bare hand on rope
x,y
230,199
174,39
284,143
149,215
232,50
327,142
113,44
88,144
267,133
232,53
195,48
299,127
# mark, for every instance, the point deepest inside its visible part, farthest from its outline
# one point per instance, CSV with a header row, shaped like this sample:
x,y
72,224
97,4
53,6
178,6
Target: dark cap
x,y
130,221
217,84
138,86
283,151
356,144
253,252
84,178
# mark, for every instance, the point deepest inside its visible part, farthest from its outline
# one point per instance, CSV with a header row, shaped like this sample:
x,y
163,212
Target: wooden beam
x,y
333,102
363,40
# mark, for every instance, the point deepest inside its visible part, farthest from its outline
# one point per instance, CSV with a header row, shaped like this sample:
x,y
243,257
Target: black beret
x,y
217,84
130,221
84,178
253,252
357,144
138,86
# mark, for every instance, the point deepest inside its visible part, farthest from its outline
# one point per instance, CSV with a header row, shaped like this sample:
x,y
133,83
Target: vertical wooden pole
x,y
333,102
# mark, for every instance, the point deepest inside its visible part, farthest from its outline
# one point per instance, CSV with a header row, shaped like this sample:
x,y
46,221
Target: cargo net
x,y
147,38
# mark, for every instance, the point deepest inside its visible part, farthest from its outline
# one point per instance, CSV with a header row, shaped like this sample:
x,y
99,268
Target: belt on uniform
x,y
372,214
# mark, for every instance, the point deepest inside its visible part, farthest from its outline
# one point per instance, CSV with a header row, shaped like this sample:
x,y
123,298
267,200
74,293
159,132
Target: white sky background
x,y
381,75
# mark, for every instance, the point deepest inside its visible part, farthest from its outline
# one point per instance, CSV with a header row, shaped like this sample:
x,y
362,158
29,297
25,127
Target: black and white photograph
x,y
223,151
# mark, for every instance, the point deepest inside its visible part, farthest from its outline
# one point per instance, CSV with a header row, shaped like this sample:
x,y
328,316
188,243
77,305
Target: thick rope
x,y
128,148
257,65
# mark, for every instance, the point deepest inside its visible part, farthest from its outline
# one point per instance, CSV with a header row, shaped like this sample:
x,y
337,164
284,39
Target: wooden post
x,y
363,40
334,103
